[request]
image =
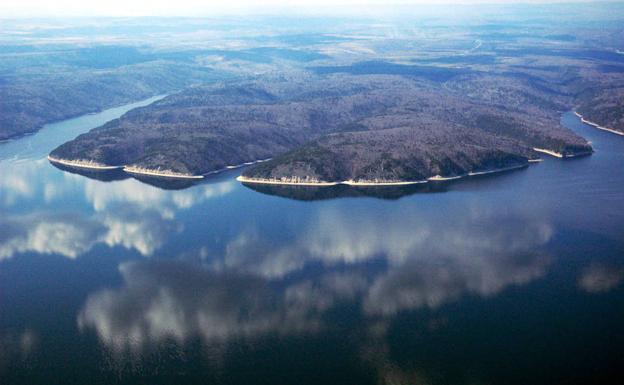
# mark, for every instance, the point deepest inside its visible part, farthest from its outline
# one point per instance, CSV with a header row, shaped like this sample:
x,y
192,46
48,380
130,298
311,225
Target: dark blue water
x,y
509,279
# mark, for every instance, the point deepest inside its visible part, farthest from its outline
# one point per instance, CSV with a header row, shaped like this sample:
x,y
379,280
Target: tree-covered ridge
x,y
329,127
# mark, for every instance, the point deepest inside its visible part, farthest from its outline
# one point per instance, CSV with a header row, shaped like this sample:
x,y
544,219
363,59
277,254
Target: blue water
x,y
507,279
54,134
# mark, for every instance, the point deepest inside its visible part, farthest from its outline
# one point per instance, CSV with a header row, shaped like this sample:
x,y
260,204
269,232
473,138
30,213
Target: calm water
x,y
513,279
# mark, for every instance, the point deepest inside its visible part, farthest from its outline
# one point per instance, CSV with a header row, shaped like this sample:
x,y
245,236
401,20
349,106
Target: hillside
x,y
329,127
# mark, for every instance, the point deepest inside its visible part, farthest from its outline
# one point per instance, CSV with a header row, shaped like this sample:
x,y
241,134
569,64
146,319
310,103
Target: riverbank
x,y
381,183
560,155
83,164
370,183
611,130
440,178
305,182
228,168
142,171
548,152
90,113
285,181
159,173
487,172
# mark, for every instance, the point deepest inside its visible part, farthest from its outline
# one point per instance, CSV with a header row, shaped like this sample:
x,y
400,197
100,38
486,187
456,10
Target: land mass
x,y
29,102
360,104
363,129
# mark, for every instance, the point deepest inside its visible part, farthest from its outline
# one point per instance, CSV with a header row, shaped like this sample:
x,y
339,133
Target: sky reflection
x,y
67,214
257,286
173,300
217,274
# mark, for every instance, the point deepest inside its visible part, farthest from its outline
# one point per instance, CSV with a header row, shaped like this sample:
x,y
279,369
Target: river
x,y
513,278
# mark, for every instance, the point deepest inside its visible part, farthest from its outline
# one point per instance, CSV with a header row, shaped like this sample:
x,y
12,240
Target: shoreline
x,y
244,179
372,183
596,125
562,156
24,134
440,178
549,152
158,173
95,166
228,168
436,178
83,164
510,168
134,170
36,130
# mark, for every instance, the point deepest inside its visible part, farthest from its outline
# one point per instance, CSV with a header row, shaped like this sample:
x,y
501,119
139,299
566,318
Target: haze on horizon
x,y
124,8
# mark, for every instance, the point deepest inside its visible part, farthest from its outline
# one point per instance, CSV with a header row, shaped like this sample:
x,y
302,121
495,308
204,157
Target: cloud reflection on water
x,y
123,213
257,287
600,278
48,233
16,346
400,234
72,234
172,300
426,256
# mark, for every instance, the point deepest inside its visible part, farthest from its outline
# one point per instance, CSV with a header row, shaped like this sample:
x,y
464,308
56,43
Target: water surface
x,y
513,279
